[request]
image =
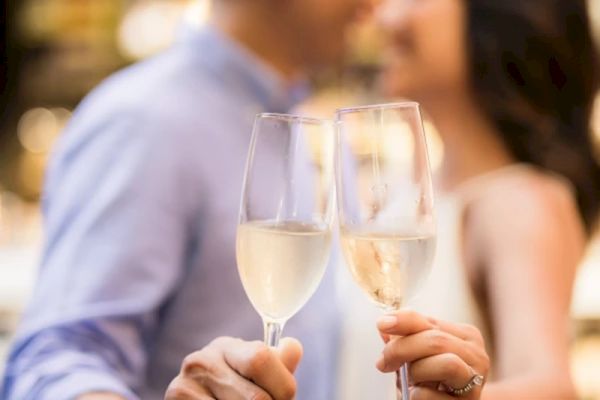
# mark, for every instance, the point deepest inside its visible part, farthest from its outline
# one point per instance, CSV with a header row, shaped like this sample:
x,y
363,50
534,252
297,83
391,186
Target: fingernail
x,y
386,322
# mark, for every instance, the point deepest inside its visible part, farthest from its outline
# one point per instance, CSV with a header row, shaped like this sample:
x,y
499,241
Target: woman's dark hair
x,y
534,70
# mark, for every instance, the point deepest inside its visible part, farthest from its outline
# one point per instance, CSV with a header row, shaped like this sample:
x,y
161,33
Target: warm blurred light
x,y
198,12
67,21
435,146
11,217
151,26
31,173
584,367
38,128
37,131
586,301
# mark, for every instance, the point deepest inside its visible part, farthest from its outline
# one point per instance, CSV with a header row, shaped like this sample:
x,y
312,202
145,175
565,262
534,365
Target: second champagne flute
x,y
385,203
284,232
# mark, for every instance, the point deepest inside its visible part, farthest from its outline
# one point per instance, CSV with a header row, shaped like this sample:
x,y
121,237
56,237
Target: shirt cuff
x,y
81,382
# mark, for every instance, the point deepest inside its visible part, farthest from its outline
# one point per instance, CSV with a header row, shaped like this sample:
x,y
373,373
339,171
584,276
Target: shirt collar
x,y
235,65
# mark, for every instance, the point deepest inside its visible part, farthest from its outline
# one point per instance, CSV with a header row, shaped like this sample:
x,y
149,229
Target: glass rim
x,y
381,106
294,118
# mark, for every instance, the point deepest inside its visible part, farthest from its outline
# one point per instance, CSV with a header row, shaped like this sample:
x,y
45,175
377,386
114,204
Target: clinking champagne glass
x,y
284,233
385,203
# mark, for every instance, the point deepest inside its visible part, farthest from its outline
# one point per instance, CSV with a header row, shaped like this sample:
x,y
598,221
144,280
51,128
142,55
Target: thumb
x,y
290,353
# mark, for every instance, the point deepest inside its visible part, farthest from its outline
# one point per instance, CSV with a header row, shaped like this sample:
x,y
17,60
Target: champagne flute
x,y
284,233
385,203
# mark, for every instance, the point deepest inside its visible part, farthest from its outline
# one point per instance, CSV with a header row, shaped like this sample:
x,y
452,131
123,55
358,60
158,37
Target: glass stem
x,y
402,382
272,332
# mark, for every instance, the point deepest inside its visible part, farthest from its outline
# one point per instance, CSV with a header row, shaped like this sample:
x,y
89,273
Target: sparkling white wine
x,y
281,264
390,266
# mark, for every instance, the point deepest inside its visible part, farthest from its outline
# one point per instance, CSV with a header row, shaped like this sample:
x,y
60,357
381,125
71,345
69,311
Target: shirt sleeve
x,y
117,210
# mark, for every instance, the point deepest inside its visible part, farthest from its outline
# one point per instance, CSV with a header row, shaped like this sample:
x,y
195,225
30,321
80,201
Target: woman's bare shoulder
x,y
526,206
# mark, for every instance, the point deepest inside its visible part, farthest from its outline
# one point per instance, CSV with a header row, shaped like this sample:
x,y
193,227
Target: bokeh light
x,y
38,128
151,26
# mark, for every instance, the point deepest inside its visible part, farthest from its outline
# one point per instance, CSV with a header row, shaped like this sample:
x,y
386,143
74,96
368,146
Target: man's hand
x,y
232,369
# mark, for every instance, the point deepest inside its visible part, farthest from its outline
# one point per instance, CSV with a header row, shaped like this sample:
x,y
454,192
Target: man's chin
x,y
395,84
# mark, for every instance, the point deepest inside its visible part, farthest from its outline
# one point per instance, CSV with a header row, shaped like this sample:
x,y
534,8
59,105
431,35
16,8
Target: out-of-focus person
x,y
141,205
510,86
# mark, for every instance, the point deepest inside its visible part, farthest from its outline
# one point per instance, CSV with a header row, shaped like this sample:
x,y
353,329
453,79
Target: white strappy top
x,y
445,295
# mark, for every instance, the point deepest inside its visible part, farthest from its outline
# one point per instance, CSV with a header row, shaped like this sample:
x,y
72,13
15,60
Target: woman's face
x,y
426,51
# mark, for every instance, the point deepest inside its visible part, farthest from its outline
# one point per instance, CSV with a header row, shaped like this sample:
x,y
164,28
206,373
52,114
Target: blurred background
x,y
56,51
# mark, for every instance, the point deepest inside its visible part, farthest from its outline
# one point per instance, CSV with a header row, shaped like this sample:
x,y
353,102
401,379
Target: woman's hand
x,y
442,355
232,369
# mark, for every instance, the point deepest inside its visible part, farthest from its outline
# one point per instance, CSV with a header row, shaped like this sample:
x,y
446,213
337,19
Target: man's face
x,y
318,27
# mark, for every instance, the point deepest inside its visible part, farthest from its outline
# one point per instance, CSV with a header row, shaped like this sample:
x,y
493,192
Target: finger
x,y
446,368
464,331
384,336
232,386
427,343
262,365
290,353
207,372
403,323
425,393
186,389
